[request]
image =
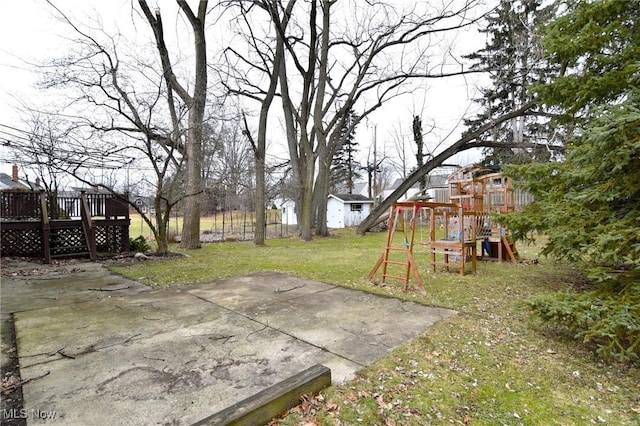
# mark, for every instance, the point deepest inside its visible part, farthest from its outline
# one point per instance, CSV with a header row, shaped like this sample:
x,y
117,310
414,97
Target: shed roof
x,y
352,198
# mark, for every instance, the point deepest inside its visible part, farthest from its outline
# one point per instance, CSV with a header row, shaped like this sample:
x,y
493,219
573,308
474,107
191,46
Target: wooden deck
x,y
48,227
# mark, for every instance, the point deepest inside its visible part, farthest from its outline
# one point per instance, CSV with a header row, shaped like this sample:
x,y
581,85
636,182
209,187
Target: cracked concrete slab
x,y
106,350
352,324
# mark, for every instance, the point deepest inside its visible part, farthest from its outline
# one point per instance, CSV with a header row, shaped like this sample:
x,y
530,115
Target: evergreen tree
x,y
513,57
589,205
344,169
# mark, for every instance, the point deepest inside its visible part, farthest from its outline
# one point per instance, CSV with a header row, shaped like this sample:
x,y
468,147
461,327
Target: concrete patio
x,y
102,349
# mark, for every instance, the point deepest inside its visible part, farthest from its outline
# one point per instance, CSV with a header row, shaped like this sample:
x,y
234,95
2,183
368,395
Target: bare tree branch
x,y
468,141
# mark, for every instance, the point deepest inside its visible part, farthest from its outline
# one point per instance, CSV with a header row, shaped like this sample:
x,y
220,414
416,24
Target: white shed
x,y
288,207
345,210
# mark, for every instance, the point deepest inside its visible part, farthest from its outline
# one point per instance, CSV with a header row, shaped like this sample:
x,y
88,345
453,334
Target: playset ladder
x,y
409,265
510,247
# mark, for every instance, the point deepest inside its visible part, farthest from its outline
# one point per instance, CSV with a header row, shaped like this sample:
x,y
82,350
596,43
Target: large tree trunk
x,y
292,142
323,181
162,220
300,138
320,199
261,146
306,215
319,128
261,222
196,103
191,225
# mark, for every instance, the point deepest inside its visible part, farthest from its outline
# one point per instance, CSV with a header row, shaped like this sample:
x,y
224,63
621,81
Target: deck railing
x,y
23,205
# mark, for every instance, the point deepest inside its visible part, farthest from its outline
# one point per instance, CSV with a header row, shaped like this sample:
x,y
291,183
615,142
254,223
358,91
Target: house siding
x,y
341,215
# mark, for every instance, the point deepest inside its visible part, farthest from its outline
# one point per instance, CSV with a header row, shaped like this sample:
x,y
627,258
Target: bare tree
x,y
195,103
40,148
123,113
329,58
263,59
510,121
374,166
400,161
230,167
335,67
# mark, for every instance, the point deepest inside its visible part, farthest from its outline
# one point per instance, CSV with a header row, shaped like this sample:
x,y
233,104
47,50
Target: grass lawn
x,y
491,364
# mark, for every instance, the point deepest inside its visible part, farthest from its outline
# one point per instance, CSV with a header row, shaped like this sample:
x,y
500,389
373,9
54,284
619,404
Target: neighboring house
x,y
345,210
436,189
14,183
412,192
361,188
76,191
7,183
145,204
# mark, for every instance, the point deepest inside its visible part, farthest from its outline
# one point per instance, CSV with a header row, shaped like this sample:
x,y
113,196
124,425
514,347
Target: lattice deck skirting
x,y
21,242
111,238
66,237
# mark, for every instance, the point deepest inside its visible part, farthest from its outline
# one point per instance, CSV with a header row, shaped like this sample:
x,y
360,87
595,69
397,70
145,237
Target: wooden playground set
x,y
450,231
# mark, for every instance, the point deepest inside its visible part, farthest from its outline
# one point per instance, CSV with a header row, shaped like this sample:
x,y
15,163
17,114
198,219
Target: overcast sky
x,y
30,35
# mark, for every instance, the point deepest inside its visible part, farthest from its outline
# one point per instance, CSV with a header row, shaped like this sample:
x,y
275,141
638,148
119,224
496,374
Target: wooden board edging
x,y
260,408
